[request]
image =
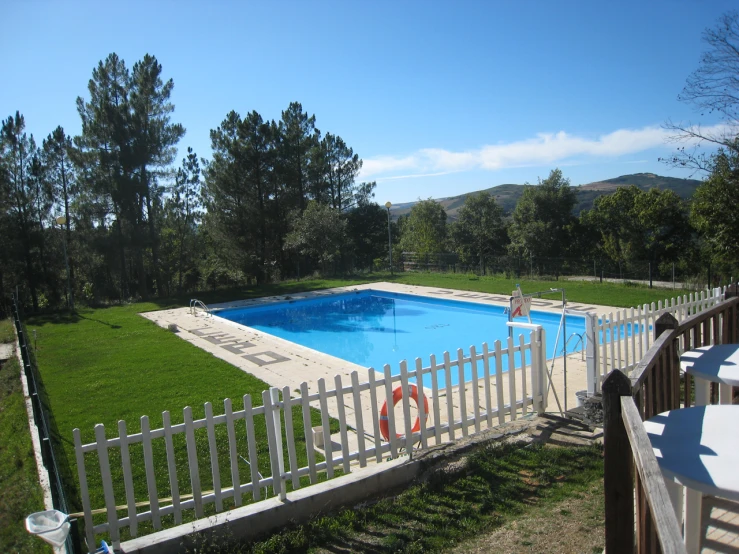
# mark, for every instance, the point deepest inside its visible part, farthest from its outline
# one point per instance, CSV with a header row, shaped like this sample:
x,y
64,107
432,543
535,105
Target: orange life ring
x,y
397,396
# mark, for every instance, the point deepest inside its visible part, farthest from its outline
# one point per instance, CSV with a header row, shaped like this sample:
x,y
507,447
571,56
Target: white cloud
x,y
543,149
385,164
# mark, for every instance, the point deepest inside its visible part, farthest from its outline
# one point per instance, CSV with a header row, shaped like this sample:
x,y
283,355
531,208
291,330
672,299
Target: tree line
x,y
111,215
627,228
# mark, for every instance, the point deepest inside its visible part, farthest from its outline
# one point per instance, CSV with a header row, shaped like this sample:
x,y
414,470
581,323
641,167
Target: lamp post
x,y
388,204
61,221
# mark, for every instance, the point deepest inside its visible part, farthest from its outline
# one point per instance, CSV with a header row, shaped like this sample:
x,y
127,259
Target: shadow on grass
x,y
267,289
66,317
112,326
449,506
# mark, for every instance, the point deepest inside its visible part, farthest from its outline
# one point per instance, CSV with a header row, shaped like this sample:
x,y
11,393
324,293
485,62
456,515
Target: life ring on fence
x,y
397,396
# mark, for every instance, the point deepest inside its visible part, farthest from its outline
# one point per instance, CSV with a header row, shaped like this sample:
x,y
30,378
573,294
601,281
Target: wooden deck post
x,y
671,370
665,322
732,291
618,464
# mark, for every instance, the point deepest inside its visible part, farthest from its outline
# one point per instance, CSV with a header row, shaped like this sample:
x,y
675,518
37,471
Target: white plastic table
x,y
713,364
699,448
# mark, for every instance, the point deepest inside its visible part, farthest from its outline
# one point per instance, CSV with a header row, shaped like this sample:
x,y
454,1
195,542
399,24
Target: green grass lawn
x,y
498,484
108,364
606,294
21,493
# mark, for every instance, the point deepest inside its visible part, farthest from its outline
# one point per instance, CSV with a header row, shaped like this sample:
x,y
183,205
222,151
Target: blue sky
x,y
437,98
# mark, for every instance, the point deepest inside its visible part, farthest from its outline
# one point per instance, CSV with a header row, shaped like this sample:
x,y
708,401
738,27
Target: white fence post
x,y
538,372
271,400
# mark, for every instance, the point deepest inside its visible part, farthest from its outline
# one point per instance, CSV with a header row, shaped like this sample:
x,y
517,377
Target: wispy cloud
x,y
414,176
543,149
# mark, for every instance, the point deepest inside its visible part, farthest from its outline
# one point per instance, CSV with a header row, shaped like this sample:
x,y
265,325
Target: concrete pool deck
x,y
281,363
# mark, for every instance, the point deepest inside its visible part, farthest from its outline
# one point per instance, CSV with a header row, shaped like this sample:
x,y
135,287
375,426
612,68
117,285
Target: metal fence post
x,y
543,375
591,349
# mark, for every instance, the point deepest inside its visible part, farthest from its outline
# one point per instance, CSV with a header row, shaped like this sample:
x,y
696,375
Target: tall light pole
x,y
388,205
61,221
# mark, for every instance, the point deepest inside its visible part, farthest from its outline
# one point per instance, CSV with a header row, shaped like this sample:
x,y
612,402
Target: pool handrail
x,y
195,303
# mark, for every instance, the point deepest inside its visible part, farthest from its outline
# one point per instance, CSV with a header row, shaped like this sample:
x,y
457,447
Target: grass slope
x,y
21,493
454,505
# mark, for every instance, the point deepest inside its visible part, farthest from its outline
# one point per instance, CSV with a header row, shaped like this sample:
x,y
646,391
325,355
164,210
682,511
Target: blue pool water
x,y
372,328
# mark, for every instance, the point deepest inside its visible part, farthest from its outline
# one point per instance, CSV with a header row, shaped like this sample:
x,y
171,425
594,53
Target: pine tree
x,y
103,152
154,140
18,152
60,172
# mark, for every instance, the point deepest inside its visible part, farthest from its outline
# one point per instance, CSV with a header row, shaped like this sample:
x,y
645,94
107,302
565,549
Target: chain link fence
x,y
664,274
41,416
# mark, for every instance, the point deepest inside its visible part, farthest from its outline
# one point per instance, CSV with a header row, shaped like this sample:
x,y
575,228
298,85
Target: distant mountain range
x,y
508,195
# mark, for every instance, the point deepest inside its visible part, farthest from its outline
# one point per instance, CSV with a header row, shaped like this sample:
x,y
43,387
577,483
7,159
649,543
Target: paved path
x,y
6,351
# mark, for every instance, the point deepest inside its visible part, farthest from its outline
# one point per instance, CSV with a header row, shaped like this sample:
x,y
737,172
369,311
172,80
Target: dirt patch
x,y
574,525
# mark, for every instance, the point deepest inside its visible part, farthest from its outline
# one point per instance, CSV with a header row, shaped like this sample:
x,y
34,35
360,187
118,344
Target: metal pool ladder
x,y
195,304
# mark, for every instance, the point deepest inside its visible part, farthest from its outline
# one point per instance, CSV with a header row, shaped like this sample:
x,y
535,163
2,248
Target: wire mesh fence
x,y
41,416
655,273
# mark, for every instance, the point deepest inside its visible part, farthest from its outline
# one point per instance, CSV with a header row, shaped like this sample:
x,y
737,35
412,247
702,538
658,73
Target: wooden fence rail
x,y
653,387
498,383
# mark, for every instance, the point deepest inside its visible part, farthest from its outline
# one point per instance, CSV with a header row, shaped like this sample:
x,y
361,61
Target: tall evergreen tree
x,y
56,150
342,167
19,154
104,152
298,136
182,213
154,140
228,199
127,145
259,152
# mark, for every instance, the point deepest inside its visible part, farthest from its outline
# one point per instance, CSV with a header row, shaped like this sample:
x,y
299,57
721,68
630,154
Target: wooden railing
x,y
652,388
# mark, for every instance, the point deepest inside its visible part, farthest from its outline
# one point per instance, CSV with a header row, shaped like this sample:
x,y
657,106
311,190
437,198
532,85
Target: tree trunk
x,y
262,231
68,232
122,253
151,217
30,274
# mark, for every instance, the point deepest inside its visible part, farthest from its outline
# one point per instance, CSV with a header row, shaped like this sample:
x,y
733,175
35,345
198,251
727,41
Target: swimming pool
x,y
373,328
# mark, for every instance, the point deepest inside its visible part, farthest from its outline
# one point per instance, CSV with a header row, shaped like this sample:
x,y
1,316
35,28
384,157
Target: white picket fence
x,y
495,391
624,336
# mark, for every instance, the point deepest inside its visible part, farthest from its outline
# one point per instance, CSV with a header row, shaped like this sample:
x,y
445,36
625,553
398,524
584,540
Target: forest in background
x,y
111,215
